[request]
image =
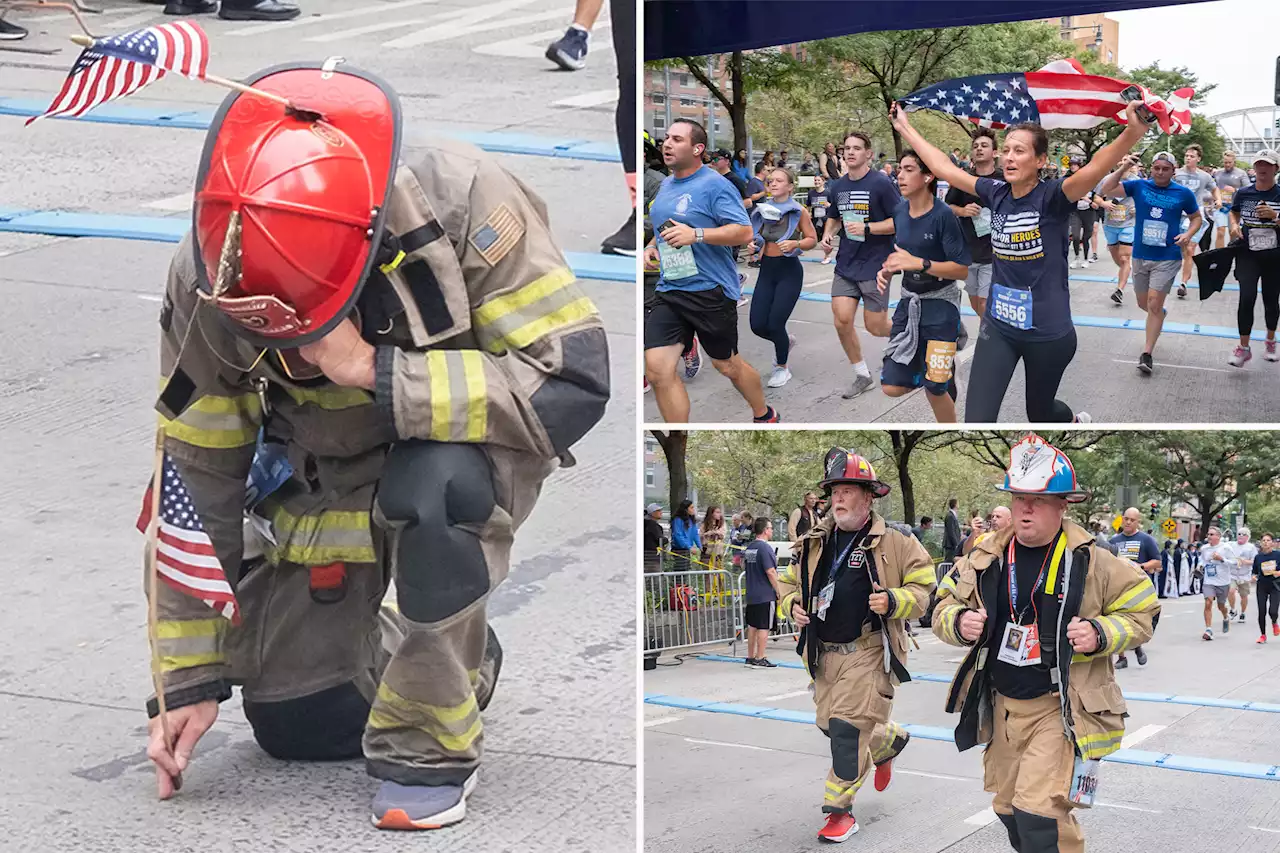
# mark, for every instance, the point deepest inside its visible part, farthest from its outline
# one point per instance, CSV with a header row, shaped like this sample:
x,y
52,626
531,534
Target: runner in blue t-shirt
x,y
1255,221
697,218
1028,315
1158,240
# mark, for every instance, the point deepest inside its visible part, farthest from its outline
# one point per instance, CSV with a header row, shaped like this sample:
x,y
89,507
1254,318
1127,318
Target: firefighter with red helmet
x,y
851,590
407,343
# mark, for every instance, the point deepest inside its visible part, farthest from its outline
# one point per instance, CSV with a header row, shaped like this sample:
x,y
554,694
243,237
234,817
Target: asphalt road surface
x,y
77,383
1102,380
718,782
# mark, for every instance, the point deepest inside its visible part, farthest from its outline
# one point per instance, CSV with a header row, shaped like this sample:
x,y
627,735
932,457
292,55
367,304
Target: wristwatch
x,y
697,235
925,264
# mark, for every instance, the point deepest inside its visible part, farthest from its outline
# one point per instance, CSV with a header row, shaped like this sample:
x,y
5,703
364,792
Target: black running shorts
x,y
675,316
760,615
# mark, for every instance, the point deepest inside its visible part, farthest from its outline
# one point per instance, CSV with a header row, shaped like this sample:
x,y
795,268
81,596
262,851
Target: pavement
x,y
716,782
76,428
1102,380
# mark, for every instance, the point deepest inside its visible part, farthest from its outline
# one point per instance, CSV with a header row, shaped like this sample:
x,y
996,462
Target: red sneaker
x,y
839,827
1262,639
1275,630
884,775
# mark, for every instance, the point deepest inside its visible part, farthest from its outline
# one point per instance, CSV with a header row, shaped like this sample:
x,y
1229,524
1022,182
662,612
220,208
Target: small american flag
x,y
1060,95
120,65
184,556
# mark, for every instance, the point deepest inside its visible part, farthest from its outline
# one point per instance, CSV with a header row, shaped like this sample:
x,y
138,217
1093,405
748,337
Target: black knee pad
x,y
324,726
844,748
1039,834
427,489
1011,827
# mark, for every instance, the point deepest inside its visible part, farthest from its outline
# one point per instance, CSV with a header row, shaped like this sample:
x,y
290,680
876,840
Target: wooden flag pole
x,y
153,596
85,41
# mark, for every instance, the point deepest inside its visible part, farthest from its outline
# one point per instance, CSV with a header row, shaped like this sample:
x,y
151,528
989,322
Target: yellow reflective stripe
x,y
333,536
834,788
169,663
442,713
574,312
438,380
217,422
1144,592
452,742
333,398
477,398
391,710
923,576
166,630
905,602
949,585
1058,553
1119,632
540,288
1100,744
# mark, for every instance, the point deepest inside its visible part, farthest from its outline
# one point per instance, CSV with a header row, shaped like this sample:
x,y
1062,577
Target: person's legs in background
x,y
622,14
570,50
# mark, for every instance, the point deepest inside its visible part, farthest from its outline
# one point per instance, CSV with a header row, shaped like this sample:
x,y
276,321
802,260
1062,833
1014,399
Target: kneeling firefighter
x,y
1043,609
858,583
399,355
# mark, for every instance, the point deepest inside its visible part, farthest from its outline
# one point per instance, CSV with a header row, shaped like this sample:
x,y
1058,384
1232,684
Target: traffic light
x,y
1153,510
1057,150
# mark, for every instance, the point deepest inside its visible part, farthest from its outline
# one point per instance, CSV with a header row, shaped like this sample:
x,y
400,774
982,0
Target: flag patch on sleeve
x,y
498,235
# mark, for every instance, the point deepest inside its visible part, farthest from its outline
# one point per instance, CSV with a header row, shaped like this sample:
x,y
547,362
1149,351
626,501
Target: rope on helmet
x,y
229,260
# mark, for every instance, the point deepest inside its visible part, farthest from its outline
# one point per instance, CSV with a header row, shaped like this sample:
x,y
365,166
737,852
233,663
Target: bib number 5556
x,y
1013,314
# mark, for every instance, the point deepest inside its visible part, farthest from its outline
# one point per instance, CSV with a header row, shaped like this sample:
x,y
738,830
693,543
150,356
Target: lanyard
x,y
840,562
1013,580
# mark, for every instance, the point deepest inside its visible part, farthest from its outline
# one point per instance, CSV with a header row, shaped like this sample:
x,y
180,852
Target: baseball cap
x,y
1167,156
721,154
652,508
1268,155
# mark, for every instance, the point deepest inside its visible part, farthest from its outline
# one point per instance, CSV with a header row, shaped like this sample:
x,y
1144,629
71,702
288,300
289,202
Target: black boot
x,y
261,10
191,7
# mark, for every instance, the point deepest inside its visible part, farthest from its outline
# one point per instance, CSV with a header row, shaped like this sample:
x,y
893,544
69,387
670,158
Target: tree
x,y
674,444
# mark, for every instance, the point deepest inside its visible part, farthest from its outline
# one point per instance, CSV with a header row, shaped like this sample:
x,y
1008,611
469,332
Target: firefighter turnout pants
x,y
854,697
1028,768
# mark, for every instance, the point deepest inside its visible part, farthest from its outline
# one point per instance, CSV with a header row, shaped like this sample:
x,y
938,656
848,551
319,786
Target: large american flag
x,y
1060,95
185,557
120,65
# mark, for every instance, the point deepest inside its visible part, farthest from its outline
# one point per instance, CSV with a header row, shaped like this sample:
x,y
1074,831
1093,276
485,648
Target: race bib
x,y
1210,570
1269,567
677,263
1020,645
824,600
1011,306
1117,215
939,356
1262,239
982,222
849,218
1155,232
1084,782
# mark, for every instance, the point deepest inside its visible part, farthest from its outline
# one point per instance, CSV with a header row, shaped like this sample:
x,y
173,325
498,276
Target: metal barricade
x,y
687,609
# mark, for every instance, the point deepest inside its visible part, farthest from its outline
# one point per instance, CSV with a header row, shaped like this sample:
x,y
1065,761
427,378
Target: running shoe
x,y
884,770
1140,655
692,361
570,50
755,265
1118,296
1122,662
1241,617
962,338
1262,639
399,806
1145,364
1271,354
1240,356
770,416
1226,625
742,283
647,389
765,663
1084,265
749,661
1182,290
622,241
1207,635
1095,257
781,376
11,32
1082,418
829,259
1074,263
839,827
1275,630
861,384
1231,614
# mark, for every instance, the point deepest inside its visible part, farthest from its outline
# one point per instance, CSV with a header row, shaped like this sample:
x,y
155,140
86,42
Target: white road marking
x,y
819,282
1264,829
534,45
589,99
123,25
40,19
149,298
791,695
374,9
174,203
475,20
1179,366
1128,808
898,770
662,721
982,818
722,743
1134,738
371,28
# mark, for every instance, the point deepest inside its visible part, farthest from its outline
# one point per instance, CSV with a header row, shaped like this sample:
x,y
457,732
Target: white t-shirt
x,y
1218,572
1244,553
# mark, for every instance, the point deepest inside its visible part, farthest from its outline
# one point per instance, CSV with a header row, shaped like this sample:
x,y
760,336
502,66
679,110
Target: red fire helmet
x,y
845,466
291,202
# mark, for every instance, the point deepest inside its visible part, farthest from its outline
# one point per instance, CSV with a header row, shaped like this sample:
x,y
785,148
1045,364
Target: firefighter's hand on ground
x,y
1082,636
879,602
971,624
345,357
188,724
798,615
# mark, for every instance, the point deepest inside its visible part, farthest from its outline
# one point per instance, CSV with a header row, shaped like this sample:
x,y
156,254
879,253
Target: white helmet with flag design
x,y
1036,467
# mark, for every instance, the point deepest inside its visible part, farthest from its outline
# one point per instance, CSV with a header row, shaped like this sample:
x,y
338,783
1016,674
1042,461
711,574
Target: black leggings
x,y
1267,591
622,14
994,360
777,289
1085,220
1250,267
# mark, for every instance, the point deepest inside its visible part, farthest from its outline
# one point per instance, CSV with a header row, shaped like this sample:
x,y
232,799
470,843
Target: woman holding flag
x,y
1028,316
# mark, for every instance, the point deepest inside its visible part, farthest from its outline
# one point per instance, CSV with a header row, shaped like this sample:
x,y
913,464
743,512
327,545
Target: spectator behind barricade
x,y
767,159
684,535
803,517
926,524
720,161
654,538
951,536
782,160
714,537
740,166
760,564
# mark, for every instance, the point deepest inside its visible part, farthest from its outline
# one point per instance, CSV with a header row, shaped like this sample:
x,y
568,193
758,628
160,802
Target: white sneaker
x,y
791,342
1083,418
781,376
1271,354
1074,263
1239,356
1084,264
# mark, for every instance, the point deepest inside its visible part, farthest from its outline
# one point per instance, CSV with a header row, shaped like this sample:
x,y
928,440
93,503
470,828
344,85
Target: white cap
x,y
1165,155
1268,155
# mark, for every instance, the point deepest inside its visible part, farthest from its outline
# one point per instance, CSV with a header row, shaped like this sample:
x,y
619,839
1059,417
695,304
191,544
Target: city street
x,y
77,387
717,781
1102,380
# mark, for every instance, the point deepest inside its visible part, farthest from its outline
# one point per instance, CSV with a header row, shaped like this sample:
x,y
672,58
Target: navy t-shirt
x,y
1158,218
936,236
1245,204
754,186
757,559
1140,547
1029,254
872,198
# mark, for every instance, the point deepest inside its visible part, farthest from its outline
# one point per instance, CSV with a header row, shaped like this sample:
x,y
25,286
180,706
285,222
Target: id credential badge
x,y
824,600
1084,782
676,263
1011,306
1020,645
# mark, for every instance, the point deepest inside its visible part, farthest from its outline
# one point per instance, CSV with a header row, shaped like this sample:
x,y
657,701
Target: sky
x,y
1229,42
